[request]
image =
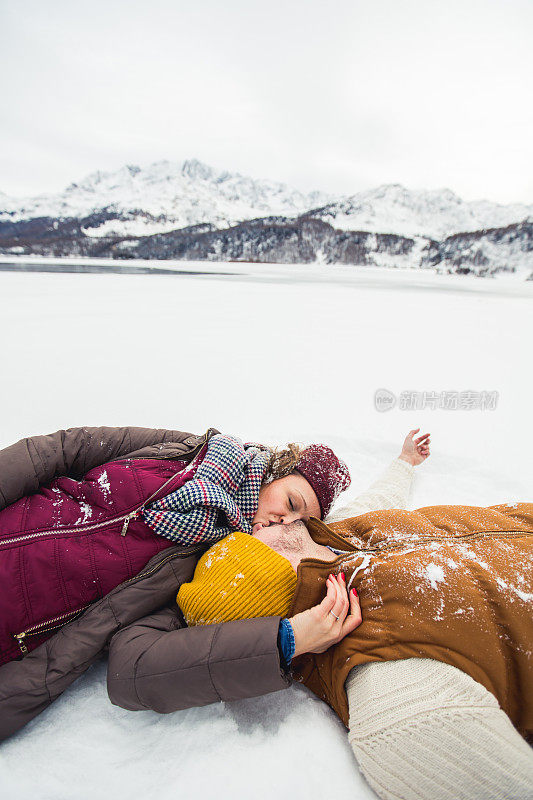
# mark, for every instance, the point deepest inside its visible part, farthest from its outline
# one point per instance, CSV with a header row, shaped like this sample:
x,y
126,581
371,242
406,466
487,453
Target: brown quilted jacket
x,y
451,583
155,661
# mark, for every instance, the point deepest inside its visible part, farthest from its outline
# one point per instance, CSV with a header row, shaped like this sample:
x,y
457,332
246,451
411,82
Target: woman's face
x,y
285,500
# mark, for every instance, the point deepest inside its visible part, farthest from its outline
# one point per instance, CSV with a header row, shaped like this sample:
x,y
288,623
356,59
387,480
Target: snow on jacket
x,y
29,685
157,663
73,541
449,583
408,718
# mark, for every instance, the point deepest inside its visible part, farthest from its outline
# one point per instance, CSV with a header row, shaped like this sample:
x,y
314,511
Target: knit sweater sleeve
x,y
390,490
420,728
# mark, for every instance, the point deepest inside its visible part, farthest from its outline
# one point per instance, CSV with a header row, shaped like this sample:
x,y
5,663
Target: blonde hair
x,y
282,461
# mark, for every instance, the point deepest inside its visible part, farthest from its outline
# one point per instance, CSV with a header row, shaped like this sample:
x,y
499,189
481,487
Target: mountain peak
x,y
398,193
195,169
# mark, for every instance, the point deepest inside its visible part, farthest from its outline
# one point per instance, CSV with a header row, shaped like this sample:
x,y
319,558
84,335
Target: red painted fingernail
x,y
355,592
343,577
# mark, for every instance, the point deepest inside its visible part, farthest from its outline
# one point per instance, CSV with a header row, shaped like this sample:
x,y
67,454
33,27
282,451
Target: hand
x,y
316,629
414,451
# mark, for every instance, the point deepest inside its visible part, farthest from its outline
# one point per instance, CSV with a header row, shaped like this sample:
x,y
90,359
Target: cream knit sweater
x,y
424,730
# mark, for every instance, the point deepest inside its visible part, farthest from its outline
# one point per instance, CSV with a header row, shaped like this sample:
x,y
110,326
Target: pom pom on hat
x,y
327,474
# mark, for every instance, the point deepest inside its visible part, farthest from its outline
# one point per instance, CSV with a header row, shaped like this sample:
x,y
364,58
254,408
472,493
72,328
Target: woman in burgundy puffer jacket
x,y
61,543
74,528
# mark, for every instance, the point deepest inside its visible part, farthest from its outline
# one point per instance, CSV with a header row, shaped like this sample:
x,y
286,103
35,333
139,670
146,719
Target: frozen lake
x,y
270,353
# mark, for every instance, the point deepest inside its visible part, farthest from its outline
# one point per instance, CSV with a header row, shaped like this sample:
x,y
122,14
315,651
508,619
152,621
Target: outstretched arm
x,y
37,460
392,488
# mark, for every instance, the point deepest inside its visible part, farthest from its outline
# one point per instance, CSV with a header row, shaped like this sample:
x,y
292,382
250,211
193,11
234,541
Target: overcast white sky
x,y
341,96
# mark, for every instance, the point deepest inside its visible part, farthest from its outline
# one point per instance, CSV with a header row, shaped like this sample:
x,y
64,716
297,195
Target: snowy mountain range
x,y
164,196
189,210
434,214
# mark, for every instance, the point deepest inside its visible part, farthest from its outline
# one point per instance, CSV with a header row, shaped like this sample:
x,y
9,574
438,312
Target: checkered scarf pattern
x,y
228,481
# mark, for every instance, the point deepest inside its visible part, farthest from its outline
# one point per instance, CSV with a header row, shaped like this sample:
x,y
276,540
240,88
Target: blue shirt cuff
x,y
286,642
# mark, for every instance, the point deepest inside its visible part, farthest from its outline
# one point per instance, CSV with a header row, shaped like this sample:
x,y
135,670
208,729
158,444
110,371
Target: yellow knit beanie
x,y
237,578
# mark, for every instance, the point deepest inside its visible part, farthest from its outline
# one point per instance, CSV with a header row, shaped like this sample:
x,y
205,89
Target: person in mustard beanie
x,y
241,576
438,702
237,578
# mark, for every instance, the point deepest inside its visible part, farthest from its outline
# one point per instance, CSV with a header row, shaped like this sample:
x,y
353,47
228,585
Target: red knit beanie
x,y
327,474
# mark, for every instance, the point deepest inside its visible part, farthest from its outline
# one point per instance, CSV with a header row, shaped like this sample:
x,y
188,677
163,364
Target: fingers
x,y
335,604
341,607
347,608
339,615
354,618
331,595
333,611
422,444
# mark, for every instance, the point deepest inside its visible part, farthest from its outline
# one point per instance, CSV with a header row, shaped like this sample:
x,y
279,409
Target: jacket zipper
x,y
392,547
48,625
135,513
80,528
59,621
358,552
191,550
44,627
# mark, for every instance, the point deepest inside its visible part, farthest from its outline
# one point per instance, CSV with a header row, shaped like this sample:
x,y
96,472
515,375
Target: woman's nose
x,y
288,518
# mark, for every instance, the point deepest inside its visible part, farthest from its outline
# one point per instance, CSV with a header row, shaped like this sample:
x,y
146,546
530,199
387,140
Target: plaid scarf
x,y
221,498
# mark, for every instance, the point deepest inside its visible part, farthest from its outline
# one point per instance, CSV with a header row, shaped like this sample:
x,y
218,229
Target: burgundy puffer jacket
x,y
137,623
75,540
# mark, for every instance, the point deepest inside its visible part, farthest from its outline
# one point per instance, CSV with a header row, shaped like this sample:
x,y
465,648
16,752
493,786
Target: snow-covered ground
x,y
271,354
